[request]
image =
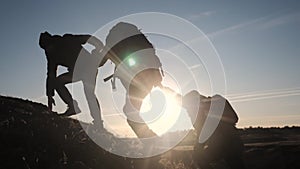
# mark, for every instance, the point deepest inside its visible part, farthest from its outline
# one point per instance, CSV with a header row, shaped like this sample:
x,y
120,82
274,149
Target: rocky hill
x,y
33,137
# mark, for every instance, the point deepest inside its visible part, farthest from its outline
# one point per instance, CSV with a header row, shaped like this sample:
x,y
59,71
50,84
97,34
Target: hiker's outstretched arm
x,y
95,42
106,54
51,75
82,39
50,82
104,57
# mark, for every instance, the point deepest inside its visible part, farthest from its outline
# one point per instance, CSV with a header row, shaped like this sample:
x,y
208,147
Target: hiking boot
x,y
96,129
98,124
72,110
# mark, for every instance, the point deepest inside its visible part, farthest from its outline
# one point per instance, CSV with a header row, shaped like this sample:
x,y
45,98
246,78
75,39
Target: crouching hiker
x,y
224,142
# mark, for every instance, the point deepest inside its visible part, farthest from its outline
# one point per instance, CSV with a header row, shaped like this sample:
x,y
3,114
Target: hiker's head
x,y
191,102
125,28
190,99
45,39
120,32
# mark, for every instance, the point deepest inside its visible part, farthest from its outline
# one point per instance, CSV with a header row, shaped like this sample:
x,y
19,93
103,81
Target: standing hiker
x,y
64,51
138,68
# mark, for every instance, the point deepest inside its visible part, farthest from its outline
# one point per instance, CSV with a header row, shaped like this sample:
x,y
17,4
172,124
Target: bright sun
x,y
160,110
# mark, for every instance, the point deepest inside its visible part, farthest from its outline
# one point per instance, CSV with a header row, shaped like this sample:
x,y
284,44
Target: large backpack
x,y
201,110
131,51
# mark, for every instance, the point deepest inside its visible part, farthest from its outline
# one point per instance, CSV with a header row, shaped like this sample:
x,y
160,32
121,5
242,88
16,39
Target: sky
x,y
257,42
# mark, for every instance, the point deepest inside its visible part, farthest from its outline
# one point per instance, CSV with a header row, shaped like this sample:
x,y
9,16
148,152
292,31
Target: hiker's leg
x,y
94,106
135,121
209,152
201,157
235,161
134,100
234,155
203,164
138,89
62,90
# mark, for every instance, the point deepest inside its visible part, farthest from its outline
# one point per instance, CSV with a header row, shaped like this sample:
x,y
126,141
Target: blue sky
x,y
258,42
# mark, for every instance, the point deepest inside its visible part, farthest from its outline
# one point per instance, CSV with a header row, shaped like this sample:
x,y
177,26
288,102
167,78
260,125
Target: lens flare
x,y
161,122
131,62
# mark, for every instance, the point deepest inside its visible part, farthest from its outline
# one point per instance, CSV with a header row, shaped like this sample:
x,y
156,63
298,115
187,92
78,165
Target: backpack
x,y
229,115
132,52
201,110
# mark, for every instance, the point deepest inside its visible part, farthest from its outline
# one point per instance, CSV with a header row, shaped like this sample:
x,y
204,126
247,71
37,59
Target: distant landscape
x,y
33,137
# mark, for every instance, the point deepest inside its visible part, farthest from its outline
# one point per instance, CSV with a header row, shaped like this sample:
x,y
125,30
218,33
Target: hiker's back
x,y
66,49
72,44
125,39
229,115
133,54
200,110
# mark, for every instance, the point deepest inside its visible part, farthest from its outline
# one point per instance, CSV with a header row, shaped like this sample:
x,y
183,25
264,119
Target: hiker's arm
x,y
108,53
105,54
50,83
82,39
95,42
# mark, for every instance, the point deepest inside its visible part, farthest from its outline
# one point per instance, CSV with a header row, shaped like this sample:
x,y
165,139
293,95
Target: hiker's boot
x,y
96,129
72,110
98,124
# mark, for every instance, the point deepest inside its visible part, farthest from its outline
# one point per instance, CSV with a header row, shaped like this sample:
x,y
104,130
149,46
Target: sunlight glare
x,y
168,113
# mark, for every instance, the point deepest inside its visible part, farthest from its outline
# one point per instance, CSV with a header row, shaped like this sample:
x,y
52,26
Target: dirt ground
x,y
32,137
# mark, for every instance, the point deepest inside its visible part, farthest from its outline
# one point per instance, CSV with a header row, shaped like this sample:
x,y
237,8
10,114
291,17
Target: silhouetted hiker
x,y
224,143
64,51
138,68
